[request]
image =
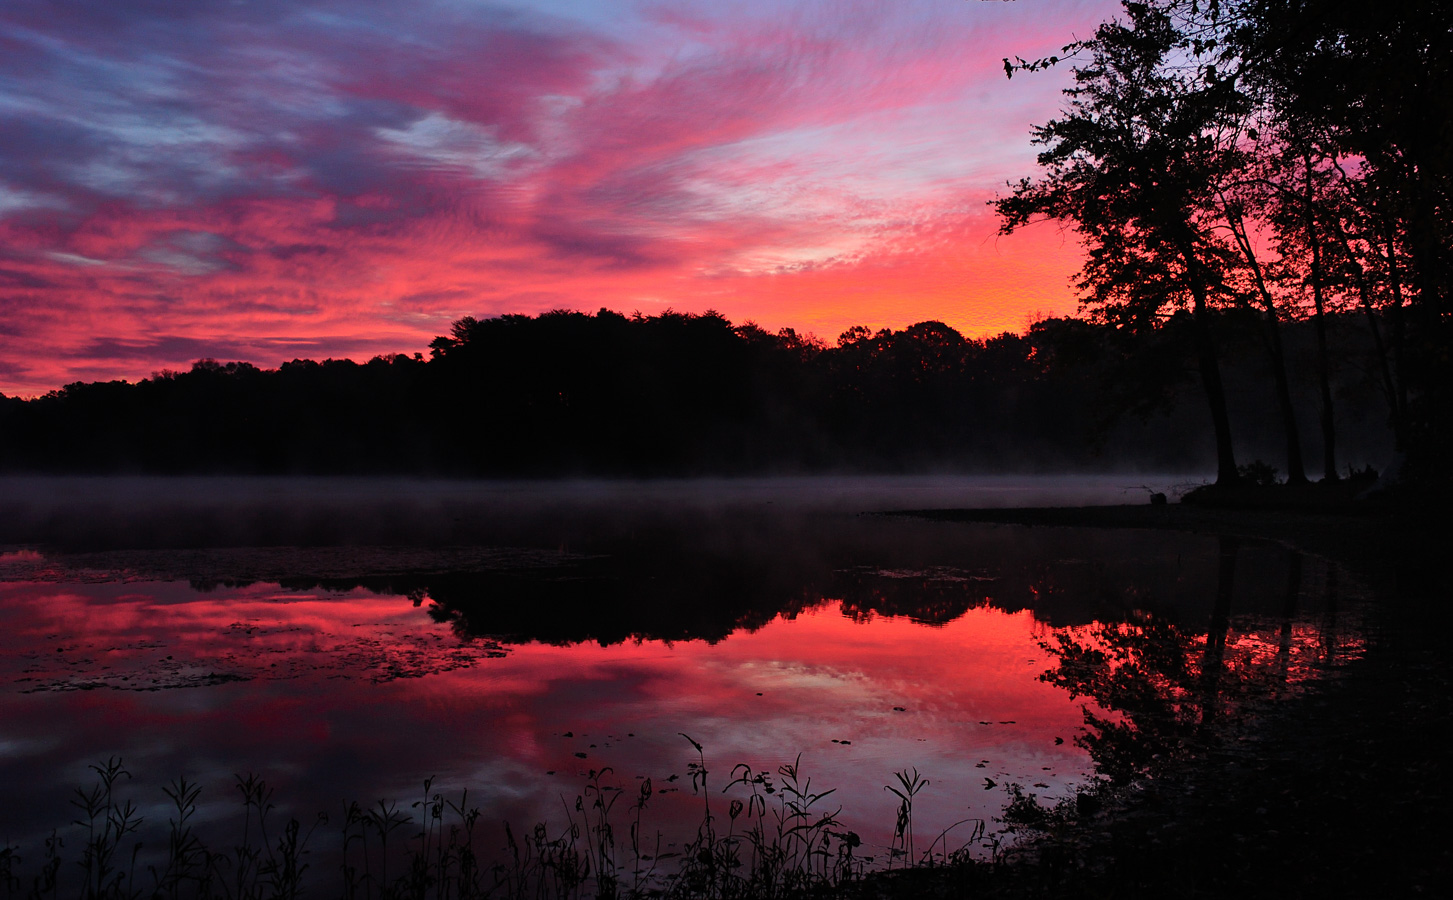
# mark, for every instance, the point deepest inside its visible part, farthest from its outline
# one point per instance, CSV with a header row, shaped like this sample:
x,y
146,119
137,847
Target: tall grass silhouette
x,y
775,837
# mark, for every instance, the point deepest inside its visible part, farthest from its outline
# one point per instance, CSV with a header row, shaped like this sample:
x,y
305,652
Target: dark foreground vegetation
x,y
761,834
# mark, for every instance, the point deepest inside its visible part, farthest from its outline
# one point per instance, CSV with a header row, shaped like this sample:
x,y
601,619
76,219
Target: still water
x,y
349,640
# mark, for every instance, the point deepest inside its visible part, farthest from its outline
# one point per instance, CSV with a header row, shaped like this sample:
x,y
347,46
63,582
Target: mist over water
x,y
119,512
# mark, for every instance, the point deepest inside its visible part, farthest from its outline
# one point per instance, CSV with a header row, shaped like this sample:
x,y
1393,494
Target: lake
x,y
535,643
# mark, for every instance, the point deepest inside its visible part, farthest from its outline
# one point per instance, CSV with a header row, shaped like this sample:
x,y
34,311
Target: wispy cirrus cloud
x,y
184,179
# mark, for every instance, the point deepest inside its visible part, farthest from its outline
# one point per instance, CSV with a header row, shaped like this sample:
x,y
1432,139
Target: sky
x,y
265,180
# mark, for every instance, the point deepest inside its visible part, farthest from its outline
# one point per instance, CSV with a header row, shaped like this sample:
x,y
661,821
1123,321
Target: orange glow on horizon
x,y
973,280
318,186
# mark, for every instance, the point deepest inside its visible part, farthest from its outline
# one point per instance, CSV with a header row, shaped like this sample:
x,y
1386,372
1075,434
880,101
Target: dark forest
x,y
679,394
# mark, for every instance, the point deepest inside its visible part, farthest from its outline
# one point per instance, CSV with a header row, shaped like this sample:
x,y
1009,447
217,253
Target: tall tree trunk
x,y
1397,318
1210,369
1389,387
1324,383
1427,257
1296,468
1384,360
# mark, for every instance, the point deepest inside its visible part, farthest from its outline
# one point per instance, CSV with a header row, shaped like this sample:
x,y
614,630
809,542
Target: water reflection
x,y
1157,685
868,645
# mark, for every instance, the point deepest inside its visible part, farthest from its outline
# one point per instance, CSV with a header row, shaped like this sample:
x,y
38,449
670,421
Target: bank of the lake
x,y
1343,791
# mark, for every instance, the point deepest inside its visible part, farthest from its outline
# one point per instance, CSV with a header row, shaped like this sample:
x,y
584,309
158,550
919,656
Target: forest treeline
x,y
681,394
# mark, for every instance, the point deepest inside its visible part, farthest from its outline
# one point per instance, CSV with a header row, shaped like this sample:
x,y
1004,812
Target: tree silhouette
x,y
1135,164
1363,95
1292,156
571,393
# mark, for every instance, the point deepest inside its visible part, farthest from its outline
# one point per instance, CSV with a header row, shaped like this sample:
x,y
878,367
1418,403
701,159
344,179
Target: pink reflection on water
x,y
357,695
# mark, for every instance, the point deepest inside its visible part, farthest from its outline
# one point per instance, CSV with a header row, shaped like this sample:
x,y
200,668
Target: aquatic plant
x,y
776,838
909,784
107,822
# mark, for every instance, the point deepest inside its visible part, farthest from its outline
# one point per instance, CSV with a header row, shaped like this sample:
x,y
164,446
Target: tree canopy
x,y
1291,158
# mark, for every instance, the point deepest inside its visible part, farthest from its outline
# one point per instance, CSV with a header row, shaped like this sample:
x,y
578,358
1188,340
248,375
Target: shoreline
x,y
1338,791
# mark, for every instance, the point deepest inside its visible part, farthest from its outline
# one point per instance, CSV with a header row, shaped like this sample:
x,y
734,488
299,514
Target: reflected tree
x,y
1152,691
1145,686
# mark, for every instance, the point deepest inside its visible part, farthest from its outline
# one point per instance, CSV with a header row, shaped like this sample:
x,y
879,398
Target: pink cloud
x,y
352,183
